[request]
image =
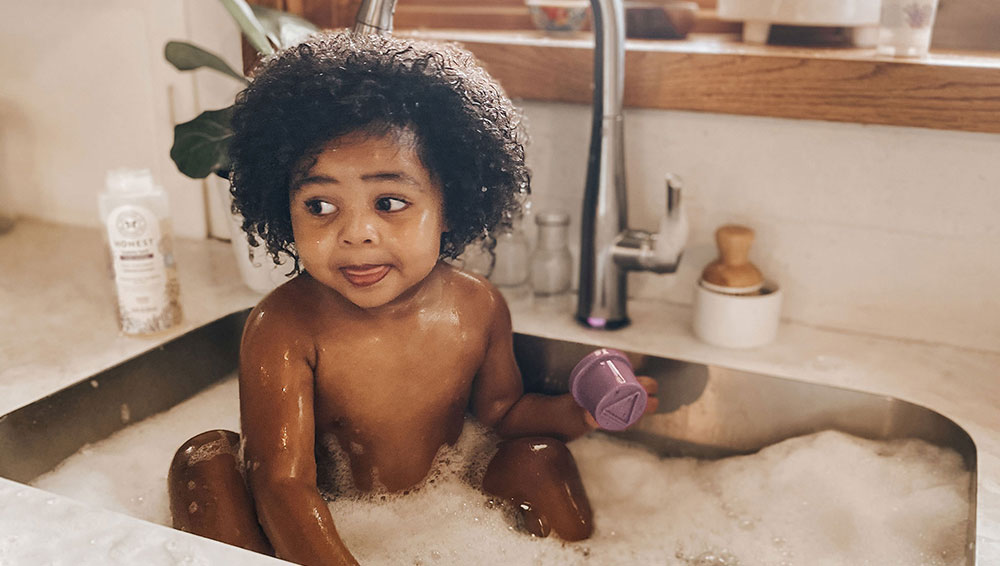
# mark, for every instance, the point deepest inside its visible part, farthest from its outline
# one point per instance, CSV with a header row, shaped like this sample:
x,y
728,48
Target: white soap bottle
x,y
136,219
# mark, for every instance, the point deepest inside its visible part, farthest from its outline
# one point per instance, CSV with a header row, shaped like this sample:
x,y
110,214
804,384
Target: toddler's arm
x,y
276,413
498,398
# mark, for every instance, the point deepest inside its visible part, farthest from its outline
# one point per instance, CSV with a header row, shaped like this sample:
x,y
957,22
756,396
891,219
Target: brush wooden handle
x,y
733,269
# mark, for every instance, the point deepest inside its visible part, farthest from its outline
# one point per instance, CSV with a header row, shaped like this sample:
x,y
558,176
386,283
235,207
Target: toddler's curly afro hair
x,y
468,133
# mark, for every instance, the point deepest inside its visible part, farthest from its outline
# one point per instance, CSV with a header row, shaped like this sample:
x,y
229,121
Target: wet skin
x,y
539,477
385,349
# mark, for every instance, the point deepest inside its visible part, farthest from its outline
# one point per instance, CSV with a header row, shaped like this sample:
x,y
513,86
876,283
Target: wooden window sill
x,y
718,73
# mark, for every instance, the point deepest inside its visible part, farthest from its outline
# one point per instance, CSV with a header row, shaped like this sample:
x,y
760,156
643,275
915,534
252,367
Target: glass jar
x,y
512,255
478,256
551,264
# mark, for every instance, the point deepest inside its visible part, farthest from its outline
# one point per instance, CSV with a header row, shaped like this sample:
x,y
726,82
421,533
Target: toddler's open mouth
x,y
364,275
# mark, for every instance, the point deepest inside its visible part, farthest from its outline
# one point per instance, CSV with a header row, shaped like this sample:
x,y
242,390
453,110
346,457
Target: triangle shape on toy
x,y
621,410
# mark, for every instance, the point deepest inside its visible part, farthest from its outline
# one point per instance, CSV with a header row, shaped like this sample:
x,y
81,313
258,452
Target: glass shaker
x,y
478,257
551,264
512,251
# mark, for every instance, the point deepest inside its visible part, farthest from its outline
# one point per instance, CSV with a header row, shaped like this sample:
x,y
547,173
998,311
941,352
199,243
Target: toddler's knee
x,y
539,476
208,496
534,453
206,446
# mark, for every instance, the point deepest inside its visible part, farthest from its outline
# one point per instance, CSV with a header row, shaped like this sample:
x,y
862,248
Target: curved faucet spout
x,y
375,16
602,285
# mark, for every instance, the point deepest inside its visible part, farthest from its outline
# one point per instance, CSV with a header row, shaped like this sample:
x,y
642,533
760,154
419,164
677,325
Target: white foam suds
x,y
127,472
826,498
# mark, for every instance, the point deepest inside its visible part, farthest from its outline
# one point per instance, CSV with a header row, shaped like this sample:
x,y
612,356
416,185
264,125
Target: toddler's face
x,y
368,217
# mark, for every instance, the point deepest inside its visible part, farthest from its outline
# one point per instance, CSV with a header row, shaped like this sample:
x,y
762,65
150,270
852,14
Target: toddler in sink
x,y
369,160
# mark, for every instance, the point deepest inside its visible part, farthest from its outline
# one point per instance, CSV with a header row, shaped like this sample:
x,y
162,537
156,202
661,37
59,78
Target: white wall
x,y
967,24
85,89
874,229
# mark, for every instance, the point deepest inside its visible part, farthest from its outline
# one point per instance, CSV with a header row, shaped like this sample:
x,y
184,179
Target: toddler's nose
x,y
359,229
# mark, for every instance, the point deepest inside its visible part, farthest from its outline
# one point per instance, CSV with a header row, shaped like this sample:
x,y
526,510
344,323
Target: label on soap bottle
x,y
142,263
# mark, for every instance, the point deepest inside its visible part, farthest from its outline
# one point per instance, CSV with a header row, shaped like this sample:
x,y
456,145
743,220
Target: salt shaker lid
x,y
552,218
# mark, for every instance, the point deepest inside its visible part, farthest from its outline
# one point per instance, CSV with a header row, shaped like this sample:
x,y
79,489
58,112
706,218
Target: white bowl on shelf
x,y
803,12
758,15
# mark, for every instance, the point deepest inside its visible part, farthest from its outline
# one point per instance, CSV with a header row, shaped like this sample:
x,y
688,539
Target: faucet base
x,y
603,323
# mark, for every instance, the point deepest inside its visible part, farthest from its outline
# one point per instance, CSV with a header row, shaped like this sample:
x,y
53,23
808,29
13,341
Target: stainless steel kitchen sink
x,y
705,411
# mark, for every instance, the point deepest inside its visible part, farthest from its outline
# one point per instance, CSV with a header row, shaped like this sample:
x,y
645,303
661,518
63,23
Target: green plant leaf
x,y
201,146
186,57
282,28
250,25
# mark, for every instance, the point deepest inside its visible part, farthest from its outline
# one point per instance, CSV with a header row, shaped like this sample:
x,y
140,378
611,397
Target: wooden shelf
x,y
717,73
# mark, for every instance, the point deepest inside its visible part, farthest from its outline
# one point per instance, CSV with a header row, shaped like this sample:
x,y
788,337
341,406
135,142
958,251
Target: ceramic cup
x,y
604,384
737,321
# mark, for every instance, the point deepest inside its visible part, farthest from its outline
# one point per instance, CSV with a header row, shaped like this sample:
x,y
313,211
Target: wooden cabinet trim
x,y
951,91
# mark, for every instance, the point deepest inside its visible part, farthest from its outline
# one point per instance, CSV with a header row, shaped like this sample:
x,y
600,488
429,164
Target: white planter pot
x,y
260,273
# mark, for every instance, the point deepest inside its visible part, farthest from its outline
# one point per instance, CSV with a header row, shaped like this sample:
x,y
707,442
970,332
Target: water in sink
x,y
826,498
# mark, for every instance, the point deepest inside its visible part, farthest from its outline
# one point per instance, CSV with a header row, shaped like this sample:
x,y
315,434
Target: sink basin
x,y
705,411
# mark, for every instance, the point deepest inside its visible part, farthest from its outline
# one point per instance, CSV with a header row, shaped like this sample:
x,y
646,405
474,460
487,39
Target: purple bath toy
x,y
604,384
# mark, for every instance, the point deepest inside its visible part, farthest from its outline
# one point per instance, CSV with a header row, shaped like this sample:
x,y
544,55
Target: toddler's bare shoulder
x,y
474,290
289,308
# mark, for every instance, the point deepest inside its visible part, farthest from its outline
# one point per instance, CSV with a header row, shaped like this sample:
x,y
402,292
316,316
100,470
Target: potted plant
x,y
201,145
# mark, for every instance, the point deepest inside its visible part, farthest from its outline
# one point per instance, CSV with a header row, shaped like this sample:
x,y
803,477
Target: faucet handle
x,y
674,186
673,234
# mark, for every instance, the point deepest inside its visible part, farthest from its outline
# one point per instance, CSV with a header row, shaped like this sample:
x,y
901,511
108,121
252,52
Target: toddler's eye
x,y
319,207
391,204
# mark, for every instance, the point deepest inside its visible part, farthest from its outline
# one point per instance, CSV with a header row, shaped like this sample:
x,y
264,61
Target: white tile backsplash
x,y
85,89
876,229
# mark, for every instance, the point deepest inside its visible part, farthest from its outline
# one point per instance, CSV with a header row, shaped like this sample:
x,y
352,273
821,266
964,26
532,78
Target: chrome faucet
x,y
375,16
608,248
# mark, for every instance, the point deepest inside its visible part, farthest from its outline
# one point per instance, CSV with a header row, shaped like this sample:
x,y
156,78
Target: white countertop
x,y
58,327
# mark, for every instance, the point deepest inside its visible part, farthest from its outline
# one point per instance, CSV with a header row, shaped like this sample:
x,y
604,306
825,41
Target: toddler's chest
x,y
425,372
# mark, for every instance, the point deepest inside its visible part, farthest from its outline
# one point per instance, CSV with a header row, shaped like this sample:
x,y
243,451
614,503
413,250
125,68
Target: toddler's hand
x,y
651,386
